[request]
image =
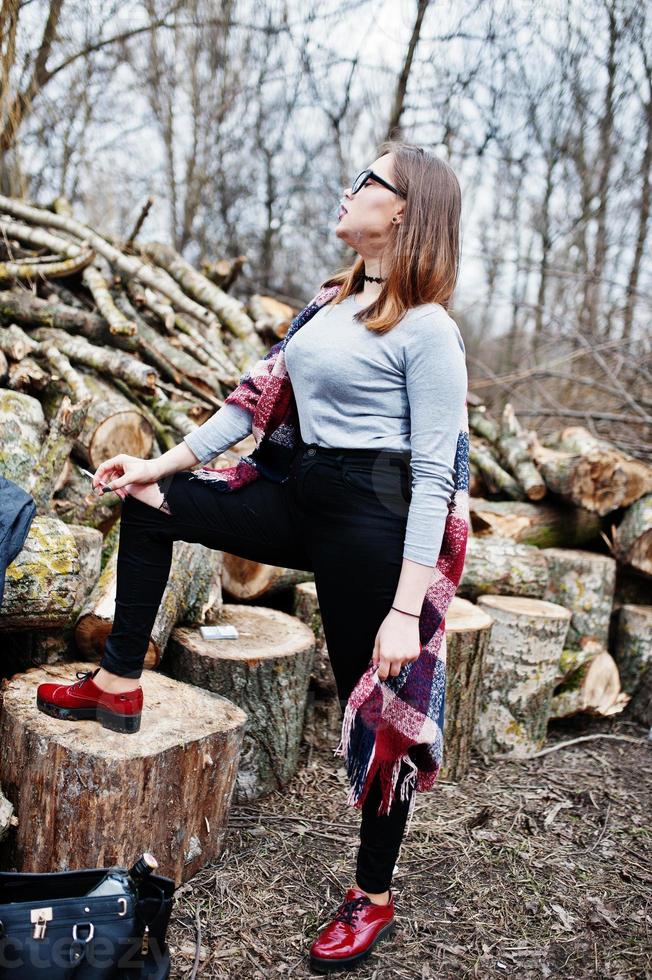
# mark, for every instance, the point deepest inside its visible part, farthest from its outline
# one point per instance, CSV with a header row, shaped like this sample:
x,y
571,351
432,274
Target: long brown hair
x,y
423,252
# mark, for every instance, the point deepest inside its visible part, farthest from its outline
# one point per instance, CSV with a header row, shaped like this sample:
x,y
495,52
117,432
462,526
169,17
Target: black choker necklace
x,y
375,279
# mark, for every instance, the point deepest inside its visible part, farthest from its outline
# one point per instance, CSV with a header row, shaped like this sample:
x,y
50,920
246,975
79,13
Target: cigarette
x,y
105,487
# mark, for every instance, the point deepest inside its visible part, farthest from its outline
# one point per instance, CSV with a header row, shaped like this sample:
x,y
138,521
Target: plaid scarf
x,y
400,719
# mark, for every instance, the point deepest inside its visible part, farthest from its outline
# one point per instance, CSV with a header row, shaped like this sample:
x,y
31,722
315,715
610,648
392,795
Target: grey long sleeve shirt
x,y
358,389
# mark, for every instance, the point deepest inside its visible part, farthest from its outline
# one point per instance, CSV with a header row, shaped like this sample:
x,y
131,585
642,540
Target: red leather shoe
x,y
355,929
83,699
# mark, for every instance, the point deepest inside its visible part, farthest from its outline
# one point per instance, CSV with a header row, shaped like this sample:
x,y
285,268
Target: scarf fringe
x,y
357,746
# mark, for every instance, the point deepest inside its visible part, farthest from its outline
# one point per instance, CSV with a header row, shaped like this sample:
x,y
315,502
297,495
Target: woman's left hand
x,y
397,643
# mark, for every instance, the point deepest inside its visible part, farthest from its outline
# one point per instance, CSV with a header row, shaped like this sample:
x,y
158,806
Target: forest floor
x,y
523,869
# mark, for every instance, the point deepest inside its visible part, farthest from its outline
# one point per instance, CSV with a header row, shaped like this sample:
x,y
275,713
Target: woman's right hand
x,y
122,469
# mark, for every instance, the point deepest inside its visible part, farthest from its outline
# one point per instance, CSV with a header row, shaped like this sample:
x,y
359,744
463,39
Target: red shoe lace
x,y
348,910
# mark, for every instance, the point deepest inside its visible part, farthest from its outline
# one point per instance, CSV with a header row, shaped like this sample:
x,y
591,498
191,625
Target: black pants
x,y
342,515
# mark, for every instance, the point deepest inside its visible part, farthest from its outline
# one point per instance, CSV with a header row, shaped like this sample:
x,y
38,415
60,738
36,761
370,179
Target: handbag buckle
x,y
40,918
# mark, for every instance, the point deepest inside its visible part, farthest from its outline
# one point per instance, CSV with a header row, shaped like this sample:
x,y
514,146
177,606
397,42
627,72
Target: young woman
x,y
379,378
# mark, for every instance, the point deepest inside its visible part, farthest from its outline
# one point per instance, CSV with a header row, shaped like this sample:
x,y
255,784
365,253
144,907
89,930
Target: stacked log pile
x,y
110,346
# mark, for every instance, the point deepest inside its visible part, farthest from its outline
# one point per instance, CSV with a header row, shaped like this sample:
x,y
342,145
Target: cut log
x,y
113,425
541,525
501,566
230,311
88,541
306,608
467,635
22,431
590,472
265,672
204,601
43,581
495,478
632,539
512,444
270,315
244,579
7,818
64,428
593,688
28,375
633,647
165,789
583,582
105,360
15,343
96,619
323,720
520,668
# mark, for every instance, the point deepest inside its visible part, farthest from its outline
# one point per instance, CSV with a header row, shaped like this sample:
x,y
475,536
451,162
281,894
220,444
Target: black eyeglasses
x,y
362,179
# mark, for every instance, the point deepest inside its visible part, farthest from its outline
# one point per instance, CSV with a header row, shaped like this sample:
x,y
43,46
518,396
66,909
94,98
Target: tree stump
x,y
43,581
244,579
583,582
323,723
633,648
88,797
467,636
501,566
266,673
520,669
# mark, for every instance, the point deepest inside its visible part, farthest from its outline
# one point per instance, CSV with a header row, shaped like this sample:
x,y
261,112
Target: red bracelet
x,y
416,615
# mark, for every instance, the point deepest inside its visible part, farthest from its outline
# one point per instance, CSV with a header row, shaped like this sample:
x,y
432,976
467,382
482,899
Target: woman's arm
x,y
227,426
436,384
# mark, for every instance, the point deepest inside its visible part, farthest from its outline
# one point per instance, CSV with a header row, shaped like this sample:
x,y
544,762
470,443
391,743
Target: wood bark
x,y
494,476
22,431
512,444
500,565
43,581
230,311
633,646
266,673
468,629
520,669
7,817
541,525
245,579
583,582
55,451
632,538
166,789
323,719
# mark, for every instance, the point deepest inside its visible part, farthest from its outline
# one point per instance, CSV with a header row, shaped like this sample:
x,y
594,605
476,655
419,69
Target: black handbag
x,y
50,928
